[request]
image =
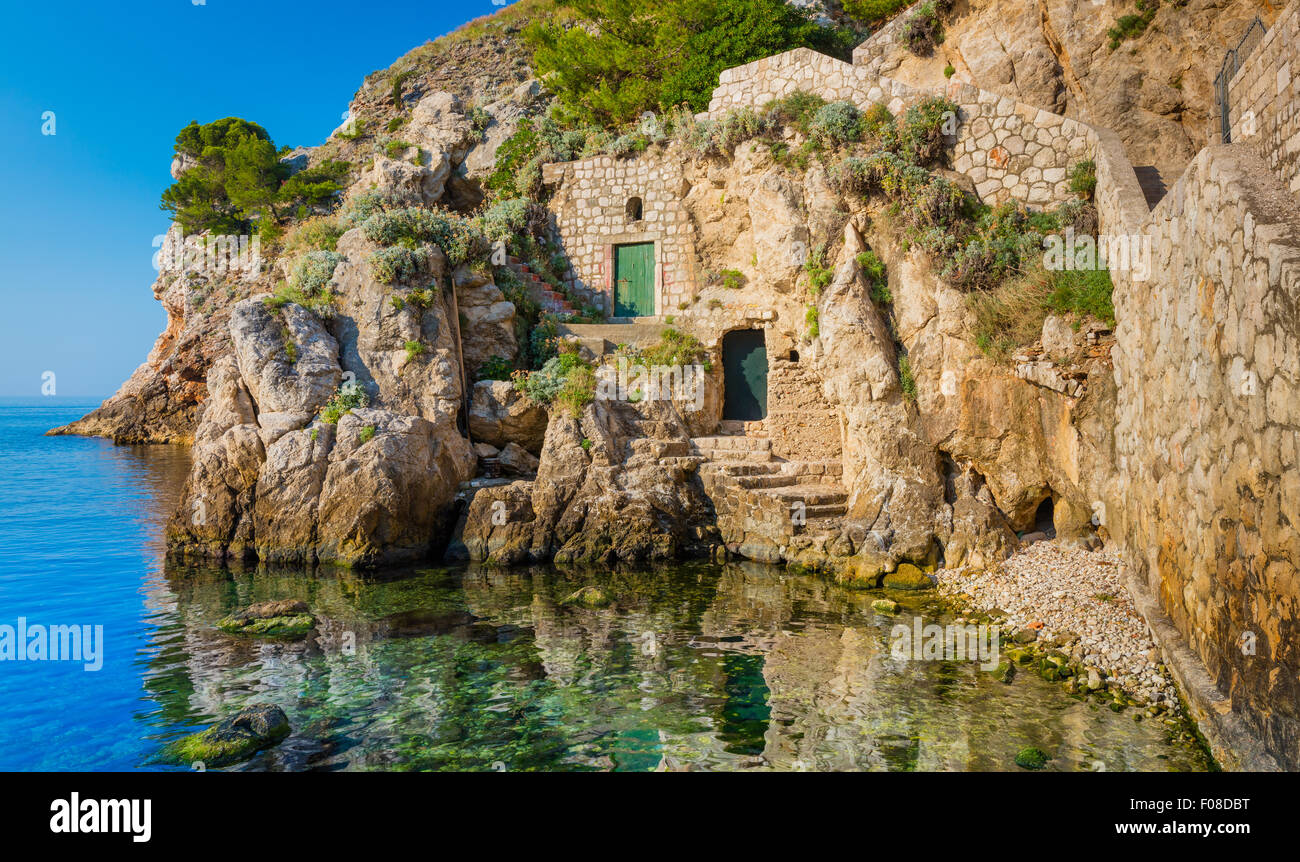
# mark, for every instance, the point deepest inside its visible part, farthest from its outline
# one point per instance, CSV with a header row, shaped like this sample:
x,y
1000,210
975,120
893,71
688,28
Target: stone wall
x,y
1264,99
801,423
591,215
1206,500
1009,149
872,53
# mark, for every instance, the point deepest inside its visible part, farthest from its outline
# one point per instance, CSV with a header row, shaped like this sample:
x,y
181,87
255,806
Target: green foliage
x,y
395,148
566,380
1010,315
358,129
873,269
626,57
398,82
837,123
874,11
345,399
905,378
315,234
732,279
817,269
676,348
236,176
949,70
921,139
1084,292
1083,178
813,318
314,271
495,368
461,240
920,32
414,349
400,262
395,123
367,434
1132,26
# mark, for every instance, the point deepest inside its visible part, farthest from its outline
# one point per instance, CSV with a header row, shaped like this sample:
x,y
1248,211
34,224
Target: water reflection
x,y
694,666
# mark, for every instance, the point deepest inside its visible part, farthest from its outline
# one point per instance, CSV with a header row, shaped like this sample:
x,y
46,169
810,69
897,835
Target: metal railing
x,y
1232,63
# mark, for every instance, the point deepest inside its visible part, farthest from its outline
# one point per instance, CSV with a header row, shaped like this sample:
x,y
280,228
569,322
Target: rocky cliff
x,y
1155,88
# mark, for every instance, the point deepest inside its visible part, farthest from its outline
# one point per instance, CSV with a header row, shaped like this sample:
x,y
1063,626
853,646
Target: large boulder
x,y
500,414
286,358
388,490
487,320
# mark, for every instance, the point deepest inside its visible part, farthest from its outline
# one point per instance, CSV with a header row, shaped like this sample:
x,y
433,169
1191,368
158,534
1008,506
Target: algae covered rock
x,y
238,737
1004,672
884,606
286,618
1031,758
588,597
908,577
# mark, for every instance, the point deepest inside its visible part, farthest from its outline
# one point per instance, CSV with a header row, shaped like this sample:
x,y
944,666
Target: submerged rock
x,y
884,606
286,618
588,597
1031,758
238,737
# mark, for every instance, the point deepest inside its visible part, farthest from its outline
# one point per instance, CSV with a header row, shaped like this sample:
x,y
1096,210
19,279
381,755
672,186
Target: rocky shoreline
x,y
1071,619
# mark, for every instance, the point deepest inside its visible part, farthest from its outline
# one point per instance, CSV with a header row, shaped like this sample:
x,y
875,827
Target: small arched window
x,y
633,209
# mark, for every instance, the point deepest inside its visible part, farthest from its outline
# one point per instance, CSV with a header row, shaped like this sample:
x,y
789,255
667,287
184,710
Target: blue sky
x,y
79,208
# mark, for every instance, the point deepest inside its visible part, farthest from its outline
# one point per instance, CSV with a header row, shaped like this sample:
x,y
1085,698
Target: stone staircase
x,y
762,501
546,296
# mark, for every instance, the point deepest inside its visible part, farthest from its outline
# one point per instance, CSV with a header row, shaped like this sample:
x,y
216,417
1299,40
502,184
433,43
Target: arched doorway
x,y
744,366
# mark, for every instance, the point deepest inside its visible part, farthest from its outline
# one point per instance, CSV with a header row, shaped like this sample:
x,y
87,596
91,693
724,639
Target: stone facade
x,y
1264,99
1207,494
595,212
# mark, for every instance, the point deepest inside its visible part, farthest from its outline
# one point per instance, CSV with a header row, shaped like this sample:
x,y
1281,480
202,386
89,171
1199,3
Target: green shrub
x,y
496,368
566,380
732,279
367,434
920,32
873,269
460,239
819,272
395,123
314,271
949,70
1132,26
1083,178
414,349
905,378
837,123
796,110
315,234
813,318
393,149
620,58
345,399
676,348
400,263
874,11
921,140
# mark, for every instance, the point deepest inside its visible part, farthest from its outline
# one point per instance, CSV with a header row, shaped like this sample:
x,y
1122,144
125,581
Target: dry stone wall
x,y
1009,150
1207,493
1264,99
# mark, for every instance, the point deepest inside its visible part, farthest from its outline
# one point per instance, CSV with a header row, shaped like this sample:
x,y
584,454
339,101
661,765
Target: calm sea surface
x,y
693,666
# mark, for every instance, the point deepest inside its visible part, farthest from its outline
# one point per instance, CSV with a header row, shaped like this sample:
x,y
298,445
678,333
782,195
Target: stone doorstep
x,y
733,443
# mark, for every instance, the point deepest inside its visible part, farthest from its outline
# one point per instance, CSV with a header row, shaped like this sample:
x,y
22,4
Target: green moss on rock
x,y
588,597
1031,758
233,739
908,577
279,619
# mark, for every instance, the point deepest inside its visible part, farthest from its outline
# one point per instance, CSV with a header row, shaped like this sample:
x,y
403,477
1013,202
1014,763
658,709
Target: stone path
x,y
543,293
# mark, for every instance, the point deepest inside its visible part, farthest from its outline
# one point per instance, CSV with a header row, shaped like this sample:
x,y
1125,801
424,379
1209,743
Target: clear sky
x,y
79,208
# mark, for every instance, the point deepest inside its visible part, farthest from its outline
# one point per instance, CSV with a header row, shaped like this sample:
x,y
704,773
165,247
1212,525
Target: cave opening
x,y
1045,518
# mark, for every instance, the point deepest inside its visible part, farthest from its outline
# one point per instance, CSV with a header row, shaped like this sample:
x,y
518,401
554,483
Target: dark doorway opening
x,y
1044,518
744,365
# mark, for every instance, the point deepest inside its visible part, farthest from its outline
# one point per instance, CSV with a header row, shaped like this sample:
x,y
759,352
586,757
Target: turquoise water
x,y
694,666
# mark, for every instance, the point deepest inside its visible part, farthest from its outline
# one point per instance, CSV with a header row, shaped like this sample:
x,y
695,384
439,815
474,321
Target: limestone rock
x,y
500,414
515,459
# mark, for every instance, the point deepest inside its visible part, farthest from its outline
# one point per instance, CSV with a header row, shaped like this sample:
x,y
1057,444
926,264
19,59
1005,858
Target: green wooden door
x,y
744,373
634,280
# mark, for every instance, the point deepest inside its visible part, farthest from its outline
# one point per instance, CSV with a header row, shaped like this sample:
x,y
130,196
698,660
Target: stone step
x,y
759,483
748,468
730,457
729,443
812,495
825,512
